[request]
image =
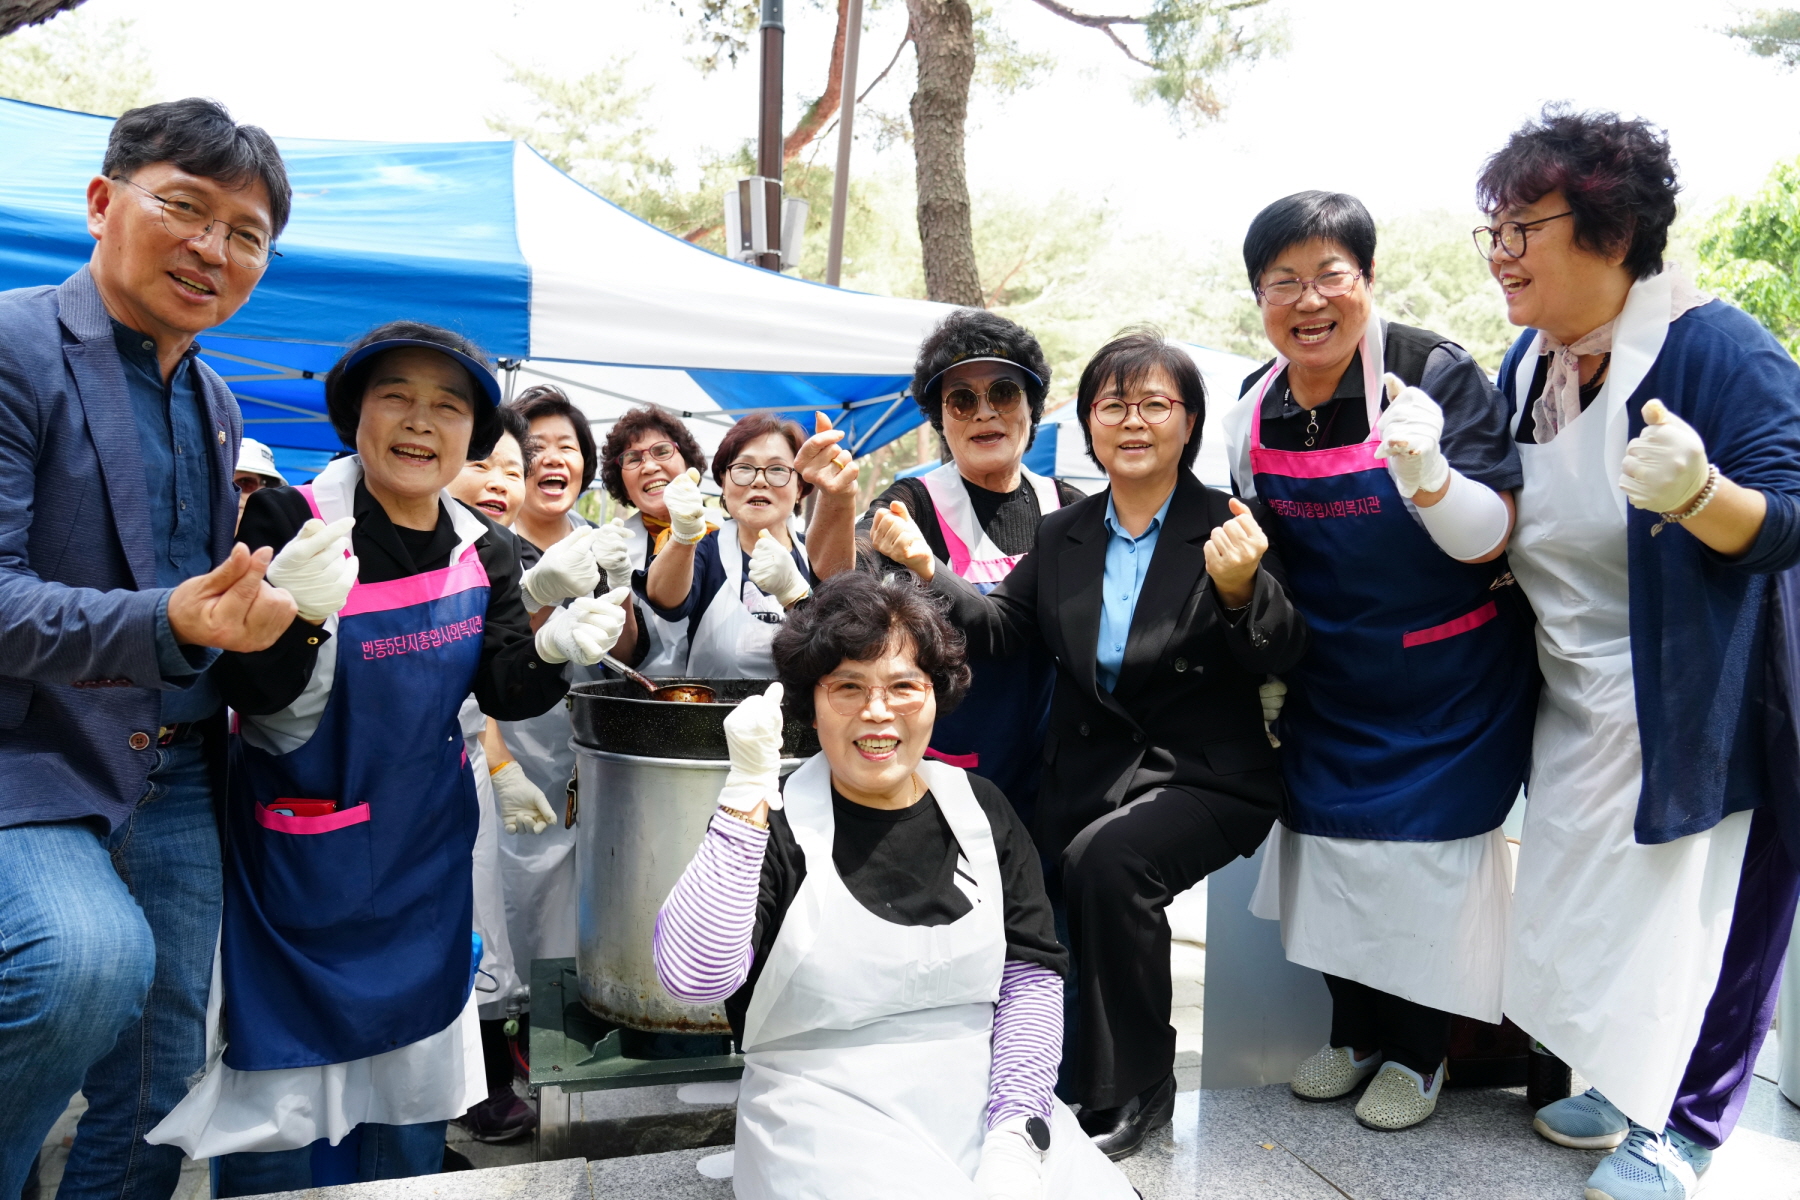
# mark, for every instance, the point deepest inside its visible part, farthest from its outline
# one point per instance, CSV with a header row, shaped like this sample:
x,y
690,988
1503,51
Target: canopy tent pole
x,y
769,141
840,183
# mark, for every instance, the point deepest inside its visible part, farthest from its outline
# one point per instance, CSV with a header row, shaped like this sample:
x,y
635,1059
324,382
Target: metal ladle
x,y
680,693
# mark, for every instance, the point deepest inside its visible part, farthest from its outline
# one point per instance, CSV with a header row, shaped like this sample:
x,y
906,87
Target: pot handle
x,y
572,798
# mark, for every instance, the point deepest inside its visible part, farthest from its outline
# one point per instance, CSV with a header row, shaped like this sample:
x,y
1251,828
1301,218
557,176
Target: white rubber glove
x,y
565,571
584,630
316,568
612,550
773,569
1011,1167
522,805
1273,694
1410,429
687,508
753,736
1665,466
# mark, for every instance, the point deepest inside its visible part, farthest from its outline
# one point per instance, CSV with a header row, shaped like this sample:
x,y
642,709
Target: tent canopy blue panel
x,y
875,409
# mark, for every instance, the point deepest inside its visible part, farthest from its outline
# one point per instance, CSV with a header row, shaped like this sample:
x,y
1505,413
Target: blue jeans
x,y
370,1152
105,959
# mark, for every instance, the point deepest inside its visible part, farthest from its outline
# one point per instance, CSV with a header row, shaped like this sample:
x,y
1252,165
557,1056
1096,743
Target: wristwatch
x,y
1037,1131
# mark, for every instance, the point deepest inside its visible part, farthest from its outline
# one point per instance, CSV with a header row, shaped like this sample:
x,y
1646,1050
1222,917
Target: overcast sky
x,y
1397,101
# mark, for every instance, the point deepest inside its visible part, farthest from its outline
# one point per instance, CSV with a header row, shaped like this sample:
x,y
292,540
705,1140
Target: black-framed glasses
x,y
1152,410
964,403
661,452
191,220
744,474
1508,237
849,697
1330,286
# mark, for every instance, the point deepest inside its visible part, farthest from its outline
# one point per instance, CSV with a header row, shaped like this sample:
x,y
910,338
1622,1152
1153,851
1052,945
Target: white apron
x,y
1615,946
730,642
500,982
867,1044
667,655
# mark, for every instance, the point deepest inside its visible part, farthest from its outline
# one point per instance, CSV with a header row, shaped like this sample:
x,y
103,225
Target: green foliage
x,y
78,62
722,28
1770,33
1750,254
1194,43
591,127
1428,274
1001,65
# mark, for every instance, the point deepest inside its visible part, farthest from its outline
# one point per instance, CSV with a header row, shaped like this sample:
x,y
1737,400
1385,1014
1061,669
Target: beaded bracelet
x,y
1694,509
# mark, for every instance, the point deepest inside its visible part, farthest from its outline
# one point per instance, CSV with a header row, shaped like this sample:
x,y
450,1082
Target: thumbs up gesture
x,y
1665,466
687,508
1234,553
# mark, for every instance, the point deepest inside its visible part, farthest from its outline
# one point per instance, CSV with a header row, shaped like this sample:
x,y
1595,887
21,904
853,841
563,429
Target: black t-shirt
x,y
1010,519
905,866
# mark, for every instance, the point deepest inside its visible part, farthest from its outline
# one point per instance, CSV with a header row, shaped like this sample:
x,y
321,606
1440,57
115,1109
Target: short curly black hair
x,y
344,388
976,333
626,430
854,616
546,400
1618,176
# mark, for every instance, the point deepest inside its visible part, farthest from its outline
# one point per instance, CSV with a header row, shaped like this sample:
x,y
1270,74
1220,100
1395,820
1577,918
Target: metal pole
x,y
840,184
768,144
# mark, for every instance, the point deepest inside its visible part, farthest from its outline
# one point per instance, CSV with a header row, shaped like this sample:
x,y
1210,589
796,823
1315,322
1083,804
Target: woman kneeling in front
x,y
899,1004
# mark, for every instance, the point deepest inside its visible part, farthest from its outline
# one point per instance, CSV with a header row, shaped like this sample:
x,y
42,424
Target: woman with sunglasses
x,y
981,382
732,586
1659,525
878,933
1382,453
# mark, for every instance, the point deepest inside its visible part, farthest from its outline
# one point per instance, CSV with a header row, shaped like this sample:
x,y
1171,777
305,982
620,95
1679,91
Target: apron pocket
x,y
315,872
1449,629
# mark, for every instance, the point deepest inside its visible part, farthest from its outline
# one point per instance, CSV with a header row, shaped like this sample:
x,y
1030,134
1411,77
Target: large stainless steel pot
x,y
648,774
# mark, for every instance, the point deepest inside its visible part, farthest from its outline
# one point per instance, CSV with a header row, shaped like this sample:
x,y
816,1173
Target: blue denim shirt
x,y
1127,562
172,433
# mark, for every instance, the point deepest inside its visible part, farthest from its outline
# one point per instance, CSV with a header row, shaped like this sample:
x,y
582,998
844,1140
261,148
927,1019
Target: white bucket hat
x,y
258,459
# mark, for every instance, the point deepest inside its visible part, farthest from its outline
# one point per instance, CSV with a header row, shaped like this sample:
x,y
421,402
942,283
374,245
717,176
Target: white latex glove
x,y
753,736
773,569
565,571
1011,1167
316,568
612,550
584,630
1273,694
1410,429
687,508
522,805
1665,466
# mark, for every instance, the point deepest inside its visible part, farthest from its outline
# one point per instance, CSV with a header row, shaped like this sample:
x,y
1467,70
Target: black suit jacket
x,y
1185,711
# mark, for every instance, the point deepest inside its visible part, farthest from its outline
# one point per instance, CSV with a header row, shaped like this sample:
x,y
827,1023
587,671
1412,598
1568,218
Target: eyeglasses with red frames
x,y
848,697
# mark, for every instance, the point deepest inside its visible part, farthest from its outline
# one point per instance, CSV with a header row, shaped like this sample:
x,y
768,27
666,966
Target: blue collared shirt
x,y
1127,562
172,436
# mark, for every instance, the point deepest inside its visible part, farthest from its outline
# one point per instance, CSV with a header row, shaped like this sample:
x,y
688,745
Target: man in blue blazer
x,y
119,584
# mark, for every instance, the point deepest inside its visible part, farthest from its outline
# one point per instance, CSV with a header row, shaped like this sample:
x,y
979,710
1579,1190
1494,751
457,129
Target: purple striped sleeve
x,y
702,939
1028,1029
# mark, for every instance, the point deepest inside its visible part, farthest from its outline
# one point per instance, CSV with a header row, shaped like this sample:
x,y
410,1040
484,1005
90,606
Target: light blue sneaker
x,y
1650,1166
1585,1122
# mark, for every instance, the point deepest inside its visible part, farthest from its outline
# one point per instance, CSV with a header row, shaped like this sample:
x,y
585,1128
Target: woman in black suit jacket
x,y
1157,770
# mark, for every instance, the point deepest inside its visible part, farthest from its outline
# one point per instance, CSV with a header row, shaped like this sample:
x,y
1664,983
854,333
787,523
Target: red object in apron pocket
x,y
317,871
1449,629
286,806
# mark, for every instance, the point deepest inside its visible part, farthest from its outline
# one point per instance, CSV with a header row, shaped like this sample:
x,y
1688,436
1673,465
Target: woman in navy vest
x,y
349,1031
1658,528
1382,454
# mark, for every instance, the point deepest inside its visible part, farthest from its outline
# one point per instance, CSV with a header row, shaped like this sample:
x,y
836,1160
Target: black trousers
x,y
1118,877
1365,1019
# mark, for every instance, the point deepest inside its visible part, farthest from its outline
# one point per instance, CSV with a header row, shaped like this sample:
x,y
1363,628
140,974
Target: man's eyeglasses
x,y
1330,286
848,697
1508,237
744,474
1153,410
245,484
191,220
1002,395
631,460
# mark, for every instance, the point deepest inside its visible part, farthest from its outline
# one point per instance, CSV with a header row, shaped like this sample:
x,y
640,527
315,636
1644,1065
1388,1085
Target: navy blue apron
x,y
1410,717
998,730
346,932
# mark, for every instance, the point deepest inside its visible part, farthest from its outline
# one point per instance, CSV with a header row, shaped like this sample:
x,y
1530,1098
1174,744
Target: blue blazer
x,y
1704,670
79,679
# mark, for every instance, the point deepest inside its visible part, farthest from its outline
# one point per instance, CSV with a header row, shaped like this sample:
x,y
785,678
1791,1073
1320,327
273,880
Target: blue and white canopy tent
x,y
491,240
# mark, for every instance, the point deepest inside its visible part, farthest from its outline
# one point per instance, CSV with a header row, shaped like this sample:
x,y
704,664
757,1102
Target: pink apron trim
x,y
1316,464
967,762
461,576
326,824
1449,629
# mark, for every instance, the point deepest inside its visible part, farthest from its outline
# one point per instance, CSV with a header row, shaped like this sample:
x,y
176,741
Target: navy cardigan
x,y
1707,683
